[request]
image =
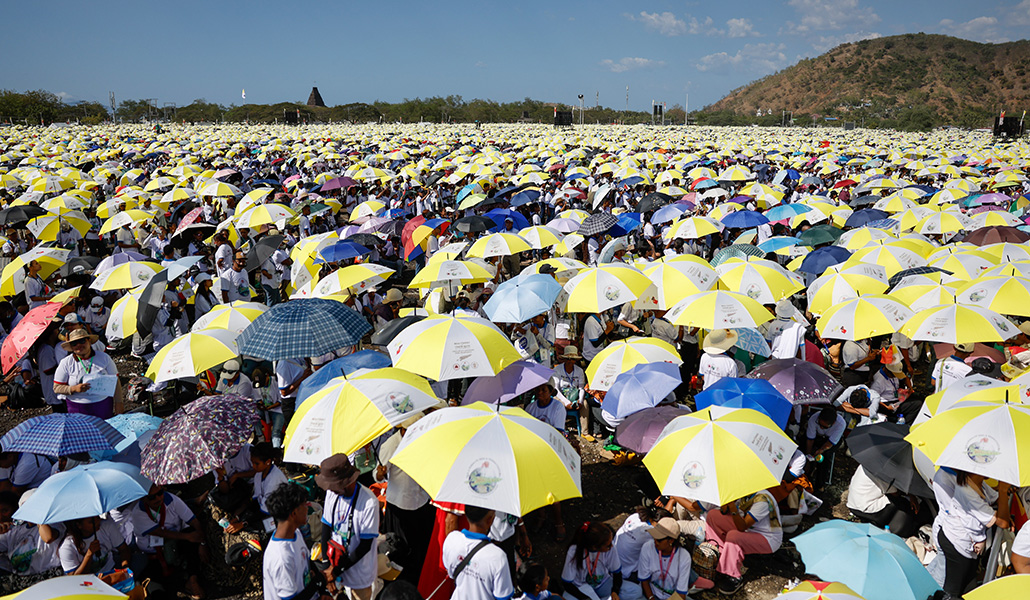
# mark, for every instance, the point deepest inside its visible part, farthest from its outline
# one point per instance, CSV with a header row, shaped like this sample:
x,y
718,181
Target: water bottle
x,y
901,419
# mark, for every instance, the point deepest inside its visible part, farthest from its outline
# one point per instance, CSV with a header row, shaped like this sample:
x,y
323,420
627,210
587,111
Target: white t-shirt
x,y
349,530
177,516
852,352
553,414
486,577
593,328
874,403
25,553
947,371
236,285
72,371
629,539
597,567
264,485
714,367
666,574
110,539
766,514
963,515
286,372
285,571
867,493
833,432
1021,545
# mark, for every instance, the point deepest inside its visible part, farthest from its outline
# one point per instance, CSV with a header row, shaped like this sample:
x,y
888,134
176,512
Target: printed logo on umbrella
x,y
483,476
693,475
400,402
983,449
612,293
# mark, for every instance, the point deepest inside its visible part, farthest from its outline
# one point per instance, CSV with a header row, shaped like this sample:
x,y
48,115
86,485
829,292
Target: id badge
x,y
269,524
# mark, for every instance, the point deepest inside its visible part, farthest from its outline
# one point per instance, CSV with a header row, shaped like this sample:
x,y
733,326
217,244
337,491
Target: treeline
x,y
40,107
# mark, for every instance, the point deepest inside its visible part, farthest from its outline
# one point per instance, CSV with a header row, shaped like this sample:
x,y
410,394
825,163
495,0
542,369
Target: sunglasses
x,y
81,342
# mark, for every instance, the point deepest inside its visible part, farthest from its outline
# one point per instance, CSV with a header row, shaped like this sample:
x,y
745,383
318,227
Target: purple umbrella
x,y
339,182
640,430
517,378
799,381
641,387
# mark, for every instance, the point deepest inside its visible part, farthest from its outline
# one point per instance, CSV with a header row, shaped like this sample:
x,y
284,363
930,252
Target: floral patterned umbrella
x,y
197,438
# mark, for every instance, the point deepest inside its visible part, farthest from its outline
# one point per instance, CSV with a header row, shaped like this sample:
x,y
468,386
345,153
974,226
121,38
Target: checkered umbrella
x,y
301,329
197,438
61,434
597,223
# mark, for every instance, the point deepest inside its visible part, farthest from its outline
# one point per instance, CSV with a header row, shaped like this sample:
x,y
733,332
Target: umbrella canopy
x,y
387,332
673,280
719,454
996,234
641,430
125,276
84,491
817,261
882,450
1009,587
193,353
262,250
641,387
442,348
597,289
797,380
26,332
198,437
863,317
303,328
521,298
875,563
503,459
234,317
514,380
71,587
718,309
739,392
597,223
621,356
819,590
340,367
61,434
958,323
347,414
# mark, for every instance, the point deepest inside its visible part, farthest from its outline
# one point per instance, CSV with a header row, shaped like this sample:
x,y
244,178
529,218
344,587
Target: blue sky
x,y
365,51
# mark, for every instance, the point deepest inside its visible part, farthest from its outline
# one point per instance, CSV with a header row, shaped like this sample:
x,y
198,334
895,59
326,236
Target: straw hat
x,y
393,295
571,351
78,334
719,341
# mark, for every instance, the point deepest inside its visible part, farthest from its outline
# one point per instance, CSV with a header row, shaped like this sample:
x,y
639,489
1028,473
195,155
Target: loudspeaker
x,y
563,118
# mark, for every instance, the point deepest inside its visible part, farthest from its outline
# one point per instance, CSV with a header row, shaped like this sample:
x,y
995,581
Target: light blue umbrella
x,y
85,491
640,387
787,211
749,340
522,298
668,213
875,563
345,365
779,243
137,428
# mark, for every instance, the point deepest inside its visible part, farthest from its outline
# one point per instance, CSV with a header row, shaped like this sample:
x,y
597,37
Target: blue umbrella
x,y
61,434
628,221
786,174
517,378
465,191
137,428
341,250
643,386
874,563
787,211
85,491
668,213
742,219
365,359
779,243
521,298
301,329
498,215
817,261
739,392
526,196
864,216
749,340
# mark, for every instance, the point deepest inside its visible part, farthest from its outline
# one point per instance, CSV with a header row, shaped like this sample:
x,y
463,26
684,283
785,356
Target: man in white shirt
x,y
235,283
823,432
950,369
715,362
286,572
351,522
486,575
870,499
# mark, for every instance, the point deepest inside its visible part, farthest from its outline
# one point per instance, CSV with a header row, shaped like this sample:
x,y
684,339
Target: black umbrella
x,y
150,302
882,450
597,223
861,201
653,201
182,238
79,263
365,239
474,224
263,250
897,277
389,331
20,214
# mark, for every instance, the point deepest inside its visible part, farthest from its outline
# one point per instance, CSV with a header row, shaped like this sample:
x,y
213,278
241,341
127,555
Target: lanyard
x,y
592,567
350,516
87,368
663,573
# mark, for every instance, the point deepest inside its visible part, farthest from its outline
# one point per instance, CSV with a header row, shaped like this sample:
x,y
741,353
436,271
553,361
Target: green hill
x,y
906,80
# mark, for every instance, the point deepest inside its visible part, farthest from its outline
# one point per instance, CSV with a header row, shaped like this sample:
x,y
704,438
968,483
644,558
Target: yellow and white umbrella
x,y
234,317
122,322
958,323
760,279
719,455
350,412
597,289
442,348
69,587
618,357
718,309
892,258
541,236
125,218
692,228
837,285
46,227
447,271
12,278
944,222
674,280
366,209
264,214
496,458
498,244
125,276
1005,295
919,297
193,353
863,317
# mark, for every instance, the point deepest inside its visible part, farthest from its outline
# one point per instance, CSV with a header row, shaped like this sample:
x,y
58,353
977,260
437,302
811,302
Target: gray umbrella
x,y
597,223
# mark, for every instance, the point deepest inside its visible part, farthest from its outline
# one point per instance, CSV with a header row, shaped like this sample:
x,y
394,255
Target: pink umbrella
x,y
943,350
191,217
26,332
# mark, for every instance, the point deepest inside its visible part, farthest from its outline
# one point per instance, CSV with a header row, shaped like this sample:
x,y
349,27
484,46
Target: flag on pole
x,y
244,94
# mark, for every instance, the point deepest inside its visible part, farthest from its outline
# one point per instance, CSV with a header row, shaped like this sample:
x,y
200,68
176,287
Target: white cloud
x,y
737,28
753,58
631,64
822,15
826,42
697,27
664,23
1020,14
980,29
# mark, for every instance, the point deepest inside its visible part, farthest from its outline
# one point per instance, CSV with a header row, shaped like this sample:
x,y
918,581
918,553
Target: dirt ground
x,y
610,494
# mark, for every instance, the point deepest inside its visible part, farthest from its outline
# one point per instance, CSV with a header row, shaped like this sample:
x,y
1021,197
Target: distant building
x,y
315,99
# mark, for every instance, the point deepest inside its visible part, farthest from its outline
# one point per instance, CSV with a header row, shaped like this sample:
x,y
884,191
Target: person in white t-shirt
x,y
235,282
716,363
749,525
286,571
875,501
592,564
546,408
663,567
350,528
160,517
950,369
486,576
596,328
1021,551
92,546
27,551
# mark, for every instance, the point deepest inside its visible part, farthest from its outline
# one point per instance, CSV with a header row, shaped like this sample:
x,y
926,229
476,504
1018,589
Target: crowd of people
x,y
158,203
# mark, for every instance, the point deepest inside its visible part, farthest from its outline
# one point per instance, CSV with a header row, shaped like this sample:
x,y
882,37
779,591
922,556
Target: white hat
x,y
784,309
96,301
231,366
965,347
719,341
202,277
